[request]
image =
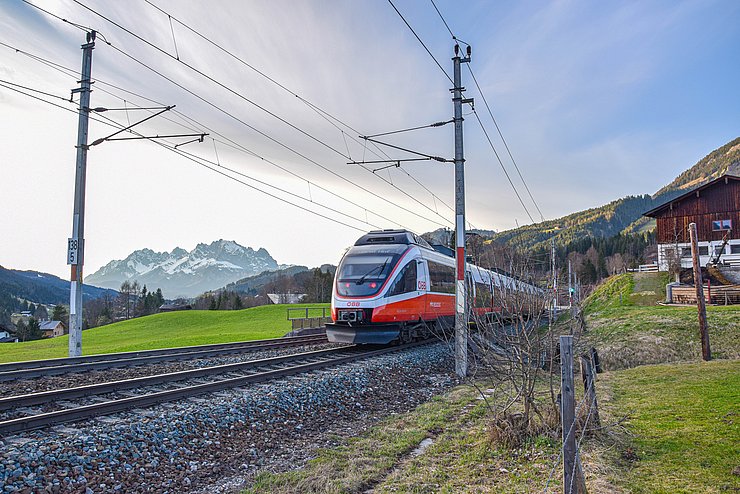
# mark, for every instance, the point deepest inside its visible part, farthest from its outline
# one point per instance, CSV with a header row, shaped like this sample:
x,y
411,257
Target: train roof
x,y
392,237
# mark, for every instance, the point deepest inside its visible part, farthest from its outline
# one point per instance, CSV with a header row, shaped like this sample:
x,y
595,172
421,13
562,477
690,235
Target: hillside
x,y
251,285
43,288
628,328
165,330
623,215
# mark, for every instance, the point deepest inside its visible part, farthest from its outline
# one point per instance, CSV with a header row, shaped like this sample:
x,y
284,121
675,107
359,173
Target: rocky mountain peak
x,y
187,274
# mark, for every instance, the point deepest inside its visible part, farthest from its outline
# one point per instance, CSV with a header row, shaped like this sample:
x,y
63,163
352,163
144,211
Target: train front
x,y
359,283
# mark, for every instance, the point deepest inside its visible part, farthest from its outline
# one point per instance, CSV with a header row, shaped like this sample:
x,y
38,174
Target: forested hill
x,y
623,215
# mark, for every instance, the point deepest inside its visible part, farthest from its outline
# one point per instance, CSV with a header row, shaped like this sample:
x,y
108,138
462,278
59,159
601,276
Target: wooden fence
x,y
714,294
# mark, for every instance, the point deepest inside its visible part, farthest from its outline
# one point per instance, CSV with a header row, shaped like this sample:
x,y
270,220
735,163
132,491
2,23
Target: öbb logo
x,y
353,304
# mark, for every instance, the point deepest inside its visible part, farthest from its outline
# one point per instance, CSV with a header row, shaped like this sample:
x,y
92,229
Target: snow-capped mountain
x,y
186,274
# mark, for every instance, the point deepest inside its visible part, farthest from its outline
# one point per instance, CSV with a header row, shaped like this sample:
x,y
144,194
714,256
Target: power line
x,y
210,78
298,153
485,101
244,123
420,41
231,143
253,128
502,166
198,160
35,90
331,119
430,54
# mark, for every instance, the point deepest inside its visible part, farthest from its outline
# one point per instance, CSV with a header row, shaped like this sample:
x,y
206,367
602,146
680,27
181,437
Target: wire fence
x,y
573,478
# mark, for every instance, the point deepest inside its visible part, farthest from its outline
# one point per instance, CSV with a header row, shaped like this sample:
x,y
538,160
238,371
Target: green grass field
x,y
167,330
683,427
628,328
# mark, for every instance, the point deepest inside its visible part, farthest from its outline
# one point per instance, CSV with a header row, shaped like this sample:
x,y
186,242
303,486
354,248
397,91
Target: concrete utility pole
x,y
706,352
461,299
76,244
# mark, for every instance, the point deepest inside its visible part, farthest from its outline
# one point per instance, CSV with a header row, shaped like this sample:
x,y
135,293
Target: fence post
x,y
595,361
567,412
588,373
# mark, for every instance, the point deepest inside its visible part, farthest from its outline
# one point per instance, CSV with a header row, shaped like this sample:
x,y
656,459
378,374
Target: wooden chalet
x,y
715,208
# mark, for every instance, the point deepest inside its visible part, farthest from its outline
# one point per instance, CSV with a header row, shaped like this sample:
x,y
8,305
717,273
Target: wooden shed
x,y
715,208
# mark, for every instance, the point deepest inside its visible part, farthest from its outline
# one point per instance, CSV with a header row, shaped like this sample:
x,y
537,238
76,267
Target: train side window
x,y
405,282
482,295
441,277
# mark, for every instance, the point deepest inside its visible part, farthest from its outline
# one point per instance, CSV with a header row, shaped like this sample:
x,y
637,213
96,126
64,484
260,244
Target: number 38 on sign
x,y
73,251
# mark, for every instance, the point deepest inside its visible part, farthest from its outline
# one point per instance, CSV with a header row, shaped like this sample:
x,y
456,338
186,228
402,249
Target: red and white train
x,y
393,286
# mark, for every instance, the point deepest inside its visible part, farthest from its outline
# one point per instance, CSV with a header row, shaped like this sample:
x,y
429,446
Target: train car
x,y
392,286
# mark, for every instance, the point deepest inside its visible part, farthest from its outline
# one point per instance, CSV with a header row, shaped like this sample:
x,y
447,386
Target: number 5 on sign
x,y
72,251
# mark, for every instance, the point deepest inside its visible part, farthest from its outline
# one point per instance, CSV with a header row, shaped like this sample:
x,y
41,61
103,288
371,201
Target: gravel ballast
x,y
218,442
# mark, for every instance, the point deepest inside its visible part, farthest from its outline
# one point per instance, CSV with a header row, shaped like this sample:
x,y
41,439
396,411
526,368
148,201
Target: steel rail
x,y
28,364
31,399
107,361
114,406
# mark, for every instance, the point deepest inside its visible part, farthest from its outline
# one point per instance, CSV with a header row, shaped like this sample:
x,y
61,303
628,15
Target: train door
x,y
422,277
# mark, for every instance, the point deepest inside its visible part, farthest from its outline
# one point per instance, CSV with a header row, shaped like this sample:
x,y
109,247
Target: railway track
x,y
183,384
52,367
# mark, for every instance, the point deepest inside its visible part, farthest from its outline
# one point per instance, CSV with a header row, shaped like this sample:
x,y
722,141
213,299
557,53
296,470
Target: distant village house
x,y
51,329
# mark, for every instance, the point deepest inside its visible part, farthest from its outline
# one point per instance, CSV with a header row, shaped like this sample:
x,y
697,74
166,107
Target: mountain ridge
x,y
623,215
180,273
44,288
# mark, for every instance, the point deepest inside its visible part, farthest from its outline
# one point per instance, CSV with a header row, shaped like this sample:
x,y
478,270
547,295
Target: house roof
x,y
49,325
731,175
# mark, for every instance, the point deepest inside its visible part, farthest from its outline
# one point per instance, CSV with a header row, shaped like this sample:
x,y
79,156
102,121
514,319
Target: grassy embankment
x,y
166,330
460,459
679,422
633,330
682,430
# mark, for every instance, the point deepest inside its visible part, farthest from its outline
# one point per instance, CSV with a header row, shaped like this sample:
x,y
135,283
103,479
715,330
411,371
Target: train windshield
x,y
363,271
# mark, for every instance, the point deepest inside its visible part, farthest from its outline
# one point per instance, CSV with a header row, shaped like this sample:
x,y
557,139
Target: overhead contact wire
x,y
231,143
331,119
200,161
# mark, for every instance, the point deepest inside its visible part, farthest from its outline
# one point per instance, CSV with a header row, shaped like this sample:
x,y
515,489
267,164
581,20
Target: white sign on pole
x,y
73,249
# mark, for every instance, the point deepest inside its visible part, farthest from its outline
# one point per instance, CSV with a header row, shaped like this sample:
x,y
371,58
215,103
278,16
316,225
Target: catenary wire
x,y
318,110
210,78
310,160
236,93
420,41
485,132
269,137
490,112
233,144
106,120
123,52
506,145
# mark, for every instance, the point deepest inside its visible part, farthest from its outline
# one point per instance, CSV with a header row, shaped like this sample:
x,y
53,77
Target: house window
x,y
735,249
686,252
703,250
719,249
720,225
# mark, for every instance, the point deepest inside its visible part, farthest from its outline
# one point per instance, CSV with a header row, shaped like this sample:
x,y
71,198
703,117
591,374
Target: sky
x,y
596,100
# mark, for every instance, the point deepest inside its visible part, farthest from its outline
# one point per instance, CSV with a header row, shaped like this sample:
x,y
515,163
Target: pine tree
x,y
59,313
